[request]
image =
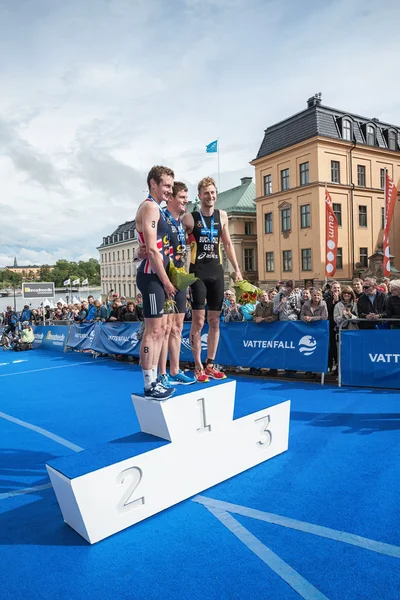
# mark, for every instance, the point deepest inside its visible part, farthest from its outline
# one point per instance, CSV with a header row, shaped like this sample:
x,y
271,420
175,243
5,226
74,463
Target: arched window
x,y
392,139
347,129
370,135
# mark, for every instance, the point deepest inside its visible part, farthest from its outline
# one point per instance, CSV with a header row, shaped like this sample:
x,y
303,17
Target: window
x,y
125,289
370,135
127,253
392,139
123,254
285,179
267,185
382,179
268,222
102,258
383,217
304,173
335,171
113,255
339,258
361,175
337,209
364,257
287,260
123,269
102,271
130,290
248,228
347,130
306,259
119,290
305,220
119,270
117,254
249,263
362,216
269,261
286,220
109,257
114,270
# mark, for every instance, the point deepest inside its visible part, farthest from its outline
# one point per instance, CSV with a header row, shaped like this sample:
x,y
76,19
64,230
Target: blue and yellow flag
x,y
212,147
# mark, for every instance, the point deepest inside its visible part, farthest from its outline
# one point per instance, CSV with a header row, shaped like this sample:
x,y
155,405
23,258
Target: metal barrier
x,y
344,329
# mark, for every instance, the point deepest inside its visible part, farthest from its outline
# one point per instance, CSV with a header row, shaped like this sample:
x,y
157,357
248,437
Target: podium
x,y
187,444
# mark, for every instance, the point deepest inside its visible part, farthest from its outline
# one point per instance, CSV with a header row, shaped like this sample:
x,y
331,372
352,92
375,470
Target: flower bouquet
x,y
179,277
246,292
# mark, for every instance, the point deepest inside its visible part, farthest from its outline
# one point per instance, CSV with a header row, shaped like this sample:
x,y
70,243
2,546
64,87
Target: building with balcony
x,y
317,147
117,267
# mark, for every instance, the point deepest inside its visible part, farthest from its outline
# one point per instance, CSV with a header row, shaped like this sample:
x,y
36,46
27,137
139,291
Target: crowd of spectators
x,y
341,305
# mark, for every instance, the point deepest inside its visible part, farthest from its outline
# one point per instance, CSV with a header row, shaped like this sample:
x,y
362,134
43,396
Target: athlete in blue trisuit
x,y
152,278
176,206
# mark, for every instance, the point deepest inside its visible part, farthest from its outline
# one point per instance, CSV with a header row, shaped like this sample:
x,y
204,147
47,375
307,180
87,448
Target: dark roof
x,y
127,226
120,234
319,120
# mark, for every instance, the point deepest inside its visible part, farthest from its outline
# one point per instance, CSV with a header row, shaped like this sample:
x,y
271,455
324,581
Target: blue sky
x,y
93,93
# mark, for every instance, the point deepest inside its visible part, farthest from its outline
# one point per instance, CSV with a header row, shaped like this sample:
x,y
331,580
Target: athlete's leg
x,y
150,347
198,317
175,339
162,363
213,319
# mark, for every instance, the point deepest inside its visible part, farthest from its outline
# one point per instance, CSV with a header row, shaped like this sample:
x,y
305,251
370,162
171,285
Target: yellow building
x,y
27,271
298,157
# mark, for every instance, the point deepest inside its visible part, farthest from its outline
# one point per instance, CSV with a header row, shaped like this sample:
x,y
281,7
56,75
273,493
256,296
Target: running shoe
x,y
180,379
164,380
158,392
212,372
200,376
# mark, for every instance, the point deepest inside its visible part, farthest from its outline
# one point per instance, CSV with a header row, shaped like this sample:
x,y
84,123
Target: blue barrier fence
x,y
50,338
284,345
370,358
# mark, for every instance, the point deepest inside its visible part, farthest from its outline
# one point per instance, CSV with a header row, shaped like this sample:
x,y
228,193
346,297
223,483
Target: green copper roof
x,y
239,199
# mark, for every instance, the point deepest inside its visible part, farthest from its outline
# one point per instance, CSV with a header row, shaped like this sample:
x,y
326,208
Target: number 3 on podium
x,y
266,434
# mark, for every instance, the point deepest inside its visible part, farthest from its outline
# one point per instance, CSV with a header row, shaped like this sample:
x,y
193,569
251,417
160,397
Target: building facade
x,y
298,157
117,264
27,271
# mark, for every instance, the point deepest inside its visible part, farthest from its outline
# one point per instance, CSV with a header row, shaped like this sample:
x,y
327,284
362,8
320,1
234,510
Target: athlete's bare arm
x,y
147,218
188,223
229,249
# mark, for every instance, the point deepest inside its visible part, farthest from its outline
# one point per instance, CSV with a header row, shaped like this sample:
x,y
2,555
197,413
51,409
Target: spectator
x,y
287,303
123,300
306,295
272,293
264,311
234,311
116,310
25,314
129,314
81,315
139,307
332,298
100,311
10,321
314,309
371,305
392,304
358,288
91,309
58,315
346,309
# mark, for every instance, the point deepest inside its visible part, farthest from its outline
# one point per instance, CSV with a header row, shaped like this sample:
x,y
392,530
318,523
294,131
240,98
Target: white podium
x,y
186,445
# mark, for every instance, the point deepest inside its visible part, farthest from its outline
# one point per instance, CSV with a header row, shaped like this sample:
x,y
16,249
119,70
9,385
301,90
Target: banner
x,y
81,336
116,338
331,236
390,202
50,338
370,358
37,290
291,345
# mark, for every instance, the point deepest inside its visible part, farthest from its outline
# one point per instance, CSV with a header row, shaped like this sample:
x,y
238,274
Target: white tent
x,y
75,300
62,301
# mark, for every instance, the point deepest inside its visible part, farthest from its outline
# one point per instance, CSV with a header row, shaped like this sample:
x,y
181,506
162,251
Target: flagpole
x,y
219,176
326,276
384,223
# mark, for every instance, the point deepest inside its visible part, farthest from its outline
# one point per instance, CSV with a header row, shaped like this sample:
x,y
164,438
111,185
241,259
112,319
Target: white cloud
x,y
98,92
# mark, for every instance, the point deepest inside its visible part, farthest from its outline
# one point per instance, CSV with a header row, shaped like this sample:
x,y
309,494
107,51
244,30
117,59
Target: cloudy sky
x,y
94,92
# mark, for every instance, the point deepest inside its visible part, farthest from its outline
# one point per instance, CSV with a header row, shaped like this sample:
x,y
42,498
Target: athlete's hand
x,y
141,252
238,275
169,289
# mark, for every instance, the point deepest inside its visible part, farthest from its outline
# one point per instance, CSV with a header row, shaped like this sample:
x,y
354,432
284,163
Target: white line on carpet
x,y
88,362
30,490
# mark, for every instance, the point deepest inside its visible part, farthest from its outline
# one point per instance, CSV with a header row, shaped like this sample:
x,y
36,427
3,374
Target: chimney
x,y
314,100
246,180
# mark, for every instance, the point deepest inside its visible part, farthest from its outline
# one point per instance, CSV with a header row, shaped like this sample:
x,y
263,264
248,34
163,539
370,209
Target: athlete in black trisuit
x,y
152,278
208,228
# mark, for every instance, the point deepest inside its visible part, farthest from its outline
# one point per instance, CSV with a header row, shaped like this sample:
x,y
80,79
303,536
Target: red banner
x,y
390,201
331,228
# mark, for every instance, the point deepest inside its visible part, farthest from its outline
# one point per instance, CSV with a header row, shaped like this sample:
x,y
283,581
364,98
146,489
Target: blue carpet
x,y
341,472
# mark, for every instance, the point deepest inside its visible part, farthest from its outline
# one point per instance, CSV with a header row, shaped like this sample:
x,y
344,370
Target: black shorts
x,y
180,299
210,290
153,295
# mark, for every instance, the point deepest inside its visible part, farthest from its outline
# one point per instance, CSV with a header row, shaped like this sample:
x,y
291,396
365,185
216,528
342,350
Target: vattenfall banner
x,y
50,338
116,338
283,345
371,358
81,336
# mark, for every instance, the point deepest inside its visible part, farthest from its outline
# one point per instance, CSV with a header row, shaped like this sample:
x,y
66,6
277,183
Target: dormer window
x,y
370,135
392,139
346,129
